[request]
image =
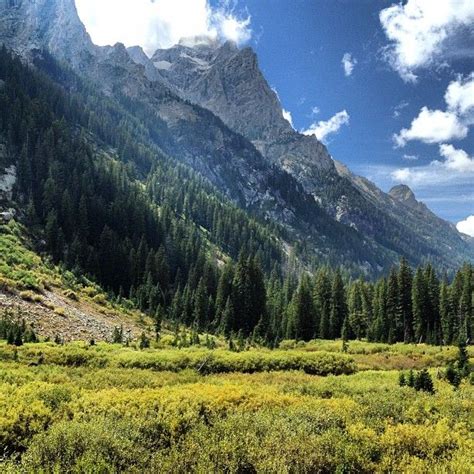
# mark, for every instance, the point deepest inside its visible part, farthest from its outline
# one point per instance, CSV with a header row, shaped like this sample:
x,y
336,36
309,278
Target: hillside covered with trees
x,y
181,251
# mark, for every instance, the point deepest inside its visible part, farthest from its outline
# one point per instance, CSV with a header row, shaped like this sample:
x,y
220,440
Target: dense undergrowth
x,y
111,413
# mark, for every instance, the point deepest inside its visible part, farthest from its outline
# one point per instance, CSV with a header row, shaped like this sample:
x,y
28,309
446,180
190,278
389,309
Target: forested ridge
x,y
148,228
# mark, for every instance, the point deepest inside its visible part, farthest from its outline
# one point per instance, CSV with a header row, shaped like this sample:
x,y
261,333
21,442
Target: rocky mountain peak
x,y
29,25
403,193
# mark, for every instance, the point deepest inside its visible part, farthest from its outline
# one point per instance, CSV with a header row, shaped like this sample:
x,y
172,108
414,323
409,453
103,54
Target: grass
x,y
108,408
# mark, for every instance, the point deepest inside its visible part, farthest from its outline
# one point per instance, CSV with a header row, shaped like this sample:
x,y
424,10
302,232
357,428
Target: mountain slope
x,y
401,204
210,108
228,82
192,135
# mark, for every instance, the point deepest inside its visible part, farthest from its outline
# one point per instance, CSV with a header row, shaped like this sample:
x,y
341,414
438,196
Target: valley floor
x,y
108,408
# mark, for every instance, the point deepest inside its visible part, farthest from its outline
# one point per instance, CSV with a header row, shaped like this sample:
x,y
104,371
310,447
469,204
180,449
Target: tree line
x,y
180,251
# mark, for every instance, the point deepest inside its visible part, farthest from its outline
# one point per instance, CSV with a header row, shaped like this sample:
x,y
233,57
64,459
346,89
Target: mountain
x,y
227,81
210,108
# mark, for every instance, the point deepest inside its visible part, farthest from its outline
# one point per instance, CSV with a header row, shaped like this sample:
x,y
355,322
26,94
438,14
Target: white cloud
x,y
432,126
348,63
456,160
397,110
419,29
466,226
460,95
287,116
456,166
410,157
160,23
322,129
436,126
315,110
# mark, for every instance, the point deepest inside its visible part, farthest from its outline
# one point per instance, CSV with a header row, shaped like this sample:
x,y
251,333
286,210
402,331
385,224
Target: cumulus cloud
x,y
436,126
287,116
456,160
457,165
322,129
459,96
161,23
348,63
466,226
432,126
419,30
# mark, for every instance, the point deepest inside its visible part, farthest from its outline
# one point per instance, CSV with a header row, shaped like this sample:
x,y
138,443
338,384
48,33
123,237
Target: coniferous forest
x,y
180,251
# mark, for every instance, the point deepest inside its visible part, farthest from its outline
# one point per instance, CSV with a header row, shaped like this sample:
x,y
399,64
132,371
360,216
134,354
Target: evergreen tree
x,y
380,328
322,304
419,306
446,313
405,281
338,305
302,312
144,341
432,303
200,312
393,309
357,317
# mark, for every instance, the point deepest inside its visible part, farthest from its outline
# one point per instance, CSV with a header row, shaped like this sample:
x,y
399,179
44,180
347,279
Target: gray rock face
x,y
228,82
138,56
27,25
404,194
7,182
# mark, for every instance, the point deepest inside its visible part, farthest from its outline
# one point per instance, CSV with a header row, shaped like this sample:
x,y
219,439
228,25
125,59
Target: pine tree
x,y
357,316
200,312
380,327
338,305
463,358
424,382
453,376
228,318
302,311
322,304
405,282
393,309
432,302
224,291
446,313
419,303
465,304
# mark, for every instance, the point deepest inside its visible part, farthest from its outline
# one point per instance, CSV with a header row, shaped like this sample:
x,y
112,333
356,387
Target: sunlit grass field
x,y
120,409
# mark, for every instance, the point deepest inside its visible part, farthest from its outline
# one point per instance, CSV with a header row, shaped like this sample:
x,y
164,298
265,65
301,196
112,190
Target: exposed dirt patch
x,y
71,320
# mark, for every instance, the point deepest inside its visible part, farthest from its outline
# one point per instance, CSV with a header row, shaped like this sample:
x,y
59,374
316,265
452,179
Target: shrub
x,y
100,299
70,294
29,295
60,311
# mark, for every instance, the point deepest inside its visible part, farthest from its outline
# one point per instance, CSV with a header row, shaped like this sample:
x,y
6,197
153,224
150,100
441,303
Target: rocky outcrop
x,y
227,81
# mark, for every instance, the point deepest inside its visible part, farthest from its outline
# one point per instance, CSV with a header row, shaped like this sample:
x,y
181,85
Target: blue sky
x,y
388,87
